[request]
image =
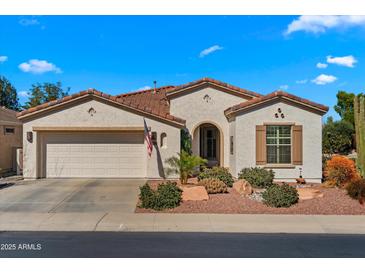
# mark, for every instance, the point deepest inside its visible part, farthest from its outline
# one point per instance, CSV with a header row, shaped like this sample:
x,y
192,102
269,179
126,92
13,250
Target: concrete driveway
x,y
71,196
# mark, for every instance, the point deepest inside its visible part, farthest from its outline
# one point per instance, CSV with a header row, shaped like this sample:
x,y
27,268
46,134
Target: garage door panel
x,y
95,155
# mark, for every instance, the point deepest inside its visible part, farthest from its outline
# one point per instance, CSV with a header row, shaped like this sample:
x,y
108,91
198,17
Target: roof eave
x,y
238,91
232,111
179,124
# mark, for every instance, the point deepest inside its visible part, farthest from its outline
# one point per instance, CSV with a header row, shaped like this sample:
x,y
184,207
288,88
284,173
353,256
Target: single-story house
x,y
11,138
93,134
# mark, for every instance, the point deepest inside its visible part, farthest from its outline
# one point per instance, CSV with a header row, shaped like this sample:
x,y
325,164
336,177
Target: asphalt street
x,y
178,245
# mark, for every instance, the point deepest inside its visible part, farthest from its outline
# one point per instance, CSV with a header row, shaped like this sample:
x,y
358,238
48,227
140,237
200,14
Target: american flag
x,y
148,138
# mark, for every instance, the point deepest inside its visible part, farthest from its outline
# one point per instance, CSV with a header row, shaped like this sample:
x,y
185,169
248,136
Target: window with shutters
x,y
278,144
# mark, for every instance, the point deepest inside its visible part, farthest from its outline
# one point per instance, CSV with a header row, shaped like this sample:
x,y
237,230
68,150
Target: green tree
x,y
54,91
185,165
345,106
8,95
41,93
337,137
36,96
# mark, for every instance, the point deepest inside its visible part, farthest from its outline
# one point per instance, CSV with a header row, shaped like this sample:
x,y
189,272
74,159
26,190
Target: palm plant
x,y
185,165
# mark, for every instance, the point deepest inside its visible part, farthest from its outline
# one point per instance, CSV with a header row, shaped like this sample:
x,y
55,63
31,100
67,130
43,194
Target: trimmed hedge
x,y
220,173
280,196
257,176
167,195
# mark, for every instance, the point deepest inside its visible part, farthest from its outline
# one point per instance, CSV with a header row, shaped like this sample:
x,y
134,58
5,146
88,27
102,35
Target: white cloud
x,y
304,81
209,50
3,59
284,87
321,65
28,22
144,88
39,66
23,93
324,79
321,23
346,61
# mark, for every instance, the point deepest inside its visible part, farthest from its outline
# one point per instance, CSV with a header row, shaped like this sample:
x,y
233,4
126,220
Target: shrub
x,y
356,190
337,137
213,185
280,196
340,170
167,195
185,165
257,177
220,173
147,196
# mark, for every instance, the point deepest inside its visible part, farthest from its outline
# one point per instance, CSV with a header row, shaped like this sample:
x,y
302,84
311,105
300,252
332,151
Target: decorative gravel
x,y
256,196
334,202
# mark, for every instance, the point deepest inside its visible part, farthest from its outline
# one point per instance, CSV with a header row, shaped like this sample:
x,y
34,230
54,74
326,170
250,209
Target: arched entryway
x,y
208,143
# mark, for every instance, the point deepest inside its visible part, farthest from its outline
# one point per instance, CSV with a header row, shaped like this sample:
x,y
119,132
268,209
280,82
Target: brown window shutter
x,y
297,145
260,145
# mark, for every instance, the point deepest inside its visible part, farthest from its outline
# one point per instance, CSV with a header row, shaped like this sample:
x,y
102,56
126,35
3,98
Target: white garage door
x,y
114,155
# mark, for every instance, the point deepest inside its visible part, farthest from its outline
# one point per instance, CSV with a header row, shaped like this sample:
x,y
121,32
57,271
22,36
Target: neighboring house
x,y
93,134
10,139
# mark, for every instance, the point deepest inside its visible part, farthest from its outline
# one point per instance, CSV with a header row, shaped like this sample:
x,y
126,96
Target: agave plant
x,y
185,165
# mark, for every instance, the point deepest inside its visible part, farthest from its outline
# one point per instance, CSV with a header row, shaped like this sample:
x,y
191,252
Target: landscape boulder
x,y
243,187
195,193
309,193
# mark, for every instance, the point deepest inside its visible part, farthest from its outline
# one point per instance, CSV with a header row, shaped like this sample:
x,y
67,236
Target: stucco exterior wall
x,y
196,110
312,139
105,116
8,144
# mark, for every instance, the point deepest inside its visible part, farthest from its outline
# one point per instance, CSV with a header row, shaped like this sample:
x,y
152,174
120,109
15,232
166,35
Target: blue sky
x,y
116,54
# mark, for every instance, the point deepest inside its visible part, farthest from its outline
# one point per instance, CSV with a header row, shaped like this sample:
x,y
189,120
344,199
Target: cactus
x,y
213,185
359,111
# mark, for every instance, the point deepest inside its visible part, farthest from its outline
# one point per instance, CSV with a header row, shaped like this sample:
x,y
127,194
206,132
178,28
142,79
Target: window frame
x,y
9,133
278,145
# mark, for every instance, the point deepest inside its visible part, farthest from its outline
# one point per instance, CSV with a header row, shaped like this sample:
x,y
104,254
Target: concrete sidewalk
x,y
117,221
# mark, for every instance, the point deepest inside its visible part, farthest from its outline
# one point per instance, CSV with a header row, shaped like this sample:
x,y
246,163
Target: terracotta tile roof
x,y
275,94
157,102
207,80
144,101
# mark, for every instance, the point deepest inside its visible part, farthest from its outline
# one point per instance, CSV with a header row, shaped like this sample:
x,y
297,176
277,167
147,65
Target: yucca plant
x,y
185,165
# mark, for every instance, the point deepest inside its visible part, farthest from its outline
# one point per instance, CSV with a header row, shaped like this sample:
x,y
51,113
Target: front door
x,y
209,145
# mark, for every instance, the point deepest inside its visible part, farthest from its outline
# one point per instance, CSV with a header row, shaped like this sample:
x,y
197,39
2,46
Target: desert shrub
x,y
167,195
340,170
257,177
213,185
220,173
147,196
280,196
356,190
